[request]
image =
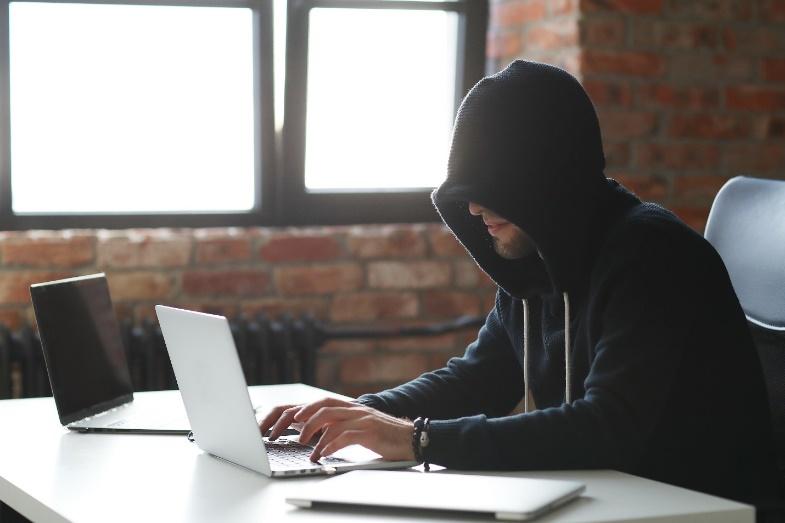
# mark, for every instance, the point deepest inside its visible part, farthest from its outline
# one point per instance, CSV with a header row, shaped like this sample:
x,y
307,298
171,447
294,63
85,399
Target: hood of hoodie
x,y
526,145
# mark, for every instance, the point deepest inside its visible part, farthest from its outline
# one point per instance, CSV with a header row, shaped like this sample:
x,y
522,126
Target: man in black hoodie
x,y
612,317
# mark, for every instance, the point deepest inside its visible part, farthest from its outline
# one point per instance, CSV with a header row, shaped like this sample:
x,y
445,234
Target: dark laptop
x,y
86,362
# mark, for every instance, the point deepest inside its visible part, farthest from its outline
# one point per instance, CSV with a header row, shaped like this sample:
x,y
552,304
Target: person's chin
x,y
508,252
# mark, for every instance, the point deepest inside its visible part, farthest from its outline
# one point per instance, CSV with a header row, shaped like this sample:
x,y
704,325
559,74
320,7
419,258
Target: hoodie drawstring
x,y
567,356
525,356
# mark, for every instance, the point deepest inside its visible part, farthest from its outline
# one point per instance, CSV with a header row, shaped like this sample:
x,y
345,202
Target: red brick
x,y
678,155
513,13
773,10
392,241
48,251
468,336
569,60
729,39
566,58
228,309
769,126
488,301
288,248
229,282
467,274
552,35
11,318
675,35
338,346
647,187
755,98
695,217
705,125
504,44
617,154
140,286
223,250
357,390
444,243
439,360
697,191
774,69
626,124
631,63
562,7
275,307
679,97
153,248
638,7
417,344
757,39
450,304
326,373
382,368
15,285
369,306
608,93
602,32
711,9
705,68
751,158
318,279
409,275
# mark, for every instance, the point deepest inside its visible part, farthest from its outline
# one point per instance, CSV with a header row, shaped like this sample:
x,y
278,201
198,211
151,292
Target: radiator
x,y
281,350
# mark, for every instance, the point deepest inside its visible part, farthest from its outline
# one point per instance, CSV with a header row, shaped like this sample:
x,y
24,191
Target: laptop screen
x,y
82,346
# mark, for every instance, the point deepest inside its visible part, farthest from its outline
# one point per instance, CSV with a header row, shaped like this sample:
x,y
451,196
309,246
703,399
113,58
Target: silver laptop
x,y
86,362
504,498
215,394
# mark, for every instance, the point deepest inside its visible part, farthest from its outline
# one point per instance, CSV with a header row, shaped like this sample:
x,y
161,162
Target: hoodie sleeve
x,y
645,329
486,379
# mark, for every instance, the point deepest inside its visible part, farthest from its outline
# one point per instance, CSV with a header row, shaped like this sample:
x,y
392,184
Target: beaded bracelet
x,y
420,440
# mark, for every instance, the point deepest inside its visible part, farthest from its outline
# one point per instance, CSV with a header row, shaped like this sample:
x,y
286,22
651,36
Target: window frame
x,y
280,196
386,206
264,130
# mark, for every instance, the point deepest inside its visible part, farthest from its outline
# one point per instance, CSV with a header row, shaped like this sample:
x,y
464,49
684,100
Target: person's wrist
x,y
407,440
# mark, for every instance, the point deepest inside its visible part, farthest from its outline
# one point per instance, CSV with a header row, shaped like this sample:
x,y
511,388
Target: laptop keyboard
x,y
290,454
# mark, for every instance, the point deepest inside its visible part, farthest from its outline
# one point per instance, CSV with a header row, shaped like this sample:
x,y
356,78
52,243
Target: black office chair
x,y
747,227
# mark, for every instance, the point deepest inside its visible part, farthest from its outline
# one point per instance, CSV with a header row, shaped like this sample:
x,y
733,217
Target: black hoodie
x,y
656,374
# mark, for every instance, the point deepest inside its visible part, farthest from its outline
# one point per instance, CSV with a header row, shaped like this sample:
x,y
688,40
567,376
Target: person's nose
x,y
475,209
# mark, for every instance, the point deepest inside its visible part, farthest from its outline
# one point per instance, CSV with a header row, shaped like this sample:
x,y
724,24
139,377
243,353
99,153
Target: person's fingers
x,y
283,422
336,429
272,417
326,416
308,410
344,439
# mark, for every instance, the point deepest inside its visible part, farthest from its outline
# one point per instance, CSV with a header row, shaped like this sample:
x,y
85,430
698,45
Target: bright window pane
x,y
381,98
130,108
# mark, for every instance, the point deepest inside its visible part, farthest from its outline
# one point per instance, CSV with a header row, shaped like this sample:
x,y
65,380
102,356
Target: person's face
x,y
509,240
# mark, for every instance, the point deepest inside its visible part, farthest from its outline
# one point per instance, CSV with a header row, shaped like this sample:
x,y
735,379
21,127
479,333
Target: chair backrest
x,y
747,227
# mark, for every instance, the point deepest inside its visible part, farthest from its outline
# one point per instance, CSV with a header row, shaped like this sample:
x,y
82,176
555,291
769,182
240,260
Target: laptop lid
x,y
213,387
82,346
502,497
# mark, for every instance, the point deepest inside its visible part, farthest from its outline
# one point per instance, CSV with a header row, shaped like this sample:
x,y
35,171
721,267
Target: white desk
x,y
50,474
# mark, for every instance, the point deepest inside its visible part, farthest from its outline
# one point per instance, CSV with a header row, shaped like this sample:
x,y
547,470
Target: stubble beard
x,y
515,248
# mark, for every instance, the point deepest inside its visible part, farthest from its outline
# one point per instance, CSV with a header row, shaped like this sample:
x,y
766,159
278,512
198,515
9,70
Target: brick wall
x,y
369,275
689,92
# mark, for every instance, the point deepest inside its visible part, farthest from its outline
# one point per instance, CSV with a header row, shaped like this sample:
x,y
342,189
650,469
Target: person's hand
x,y
278,420
343,423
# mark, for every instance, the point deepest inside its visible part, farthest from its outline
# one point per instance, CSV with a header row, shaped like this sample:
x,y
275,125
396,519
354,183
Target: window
x,y
162,112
